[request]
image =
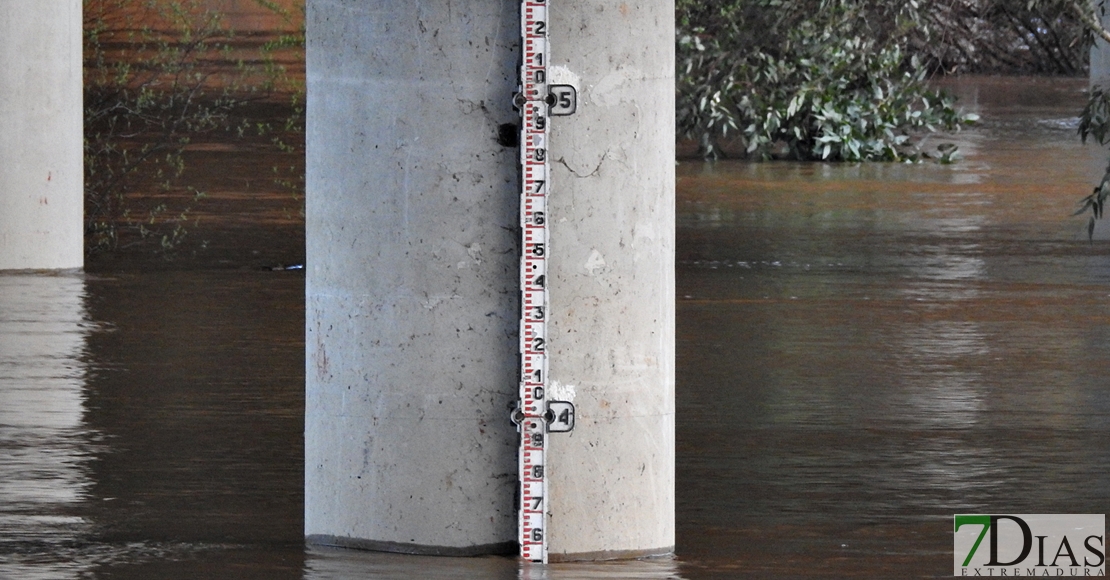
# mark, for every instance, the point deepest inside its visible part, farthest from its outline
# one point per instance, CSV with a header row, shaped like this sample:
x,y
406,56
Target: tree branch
x,y
1090,17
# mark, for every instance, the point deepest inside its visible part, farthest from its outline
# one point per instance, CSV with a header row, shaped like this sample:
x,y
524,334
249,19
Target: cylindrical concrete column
x,y
413,278
1100,59
41,179
611,276
412,300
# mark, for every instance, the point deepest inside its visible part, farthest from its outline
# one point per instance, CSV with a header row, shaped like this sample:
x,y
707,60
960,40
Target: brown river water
x,y
862,351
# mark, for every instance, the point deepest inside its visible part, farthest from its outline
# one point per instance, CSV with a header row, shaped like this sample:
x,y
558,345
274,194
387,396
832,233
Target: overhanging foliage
x,y
805,79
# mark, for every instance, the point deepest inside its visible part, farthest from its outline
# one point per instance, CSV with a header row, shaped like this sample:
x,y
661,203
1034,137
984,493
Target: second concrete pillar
x,y
41,173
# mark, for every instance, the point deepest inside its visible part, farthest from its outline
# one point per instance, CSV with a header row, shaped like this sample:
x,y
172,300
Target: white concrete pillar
x,y
411,309
413,264
1099,73
41,171
611,273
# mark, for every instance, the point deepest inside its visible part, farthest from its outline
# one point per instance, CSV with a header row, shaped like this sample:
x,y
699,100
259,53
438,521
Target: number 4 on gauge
x,y
560,416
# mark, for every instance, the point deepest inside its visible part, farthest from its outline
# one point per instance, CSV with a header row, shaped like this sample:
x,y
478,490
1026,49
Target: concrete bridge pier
x,y
611,273
412,295
41,140
1099,73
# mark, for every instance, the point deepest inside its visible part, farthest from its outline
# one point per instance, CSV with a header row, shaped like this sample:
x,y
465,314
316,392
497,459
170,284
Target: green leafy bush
x,y
804,79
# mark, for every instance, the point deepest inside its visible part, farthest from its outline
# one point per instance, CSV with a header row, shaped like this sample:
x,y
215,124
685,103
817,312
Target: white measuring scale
x,y
536,416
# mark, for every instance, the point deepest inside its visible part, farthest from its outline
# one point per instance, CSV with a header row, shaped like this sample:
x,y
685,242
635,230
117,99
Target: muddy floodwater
x,y
862,351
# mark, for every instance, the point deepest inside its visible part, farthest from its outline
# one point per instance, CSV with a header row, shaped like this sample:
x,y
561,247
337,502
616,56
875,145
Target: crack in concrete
x,y
563,161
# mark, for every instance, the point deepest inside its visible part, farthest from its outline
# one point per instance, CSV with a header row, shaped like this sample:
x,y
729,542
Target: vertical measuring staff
x,y
536,415
533,104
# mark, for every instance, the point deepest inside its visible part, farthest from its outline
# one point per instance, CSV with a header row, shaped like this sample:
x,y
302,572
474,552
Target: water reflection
x,y
337,564
862,351
939,381
199,393
45,447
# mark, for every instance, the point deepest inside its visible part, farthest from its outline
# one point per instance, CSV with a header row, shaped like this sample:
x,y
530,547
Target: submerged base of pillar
x,y
500,549
610,555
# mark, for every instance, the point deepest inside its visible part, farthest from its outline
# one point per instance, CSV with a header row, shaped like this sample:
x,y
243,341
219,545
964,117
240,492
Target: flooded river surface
x,y
862,351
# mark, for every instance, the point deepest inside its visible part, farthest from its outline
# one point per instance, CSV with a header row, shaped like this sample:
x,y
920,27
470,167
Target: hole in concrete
x,y
508,134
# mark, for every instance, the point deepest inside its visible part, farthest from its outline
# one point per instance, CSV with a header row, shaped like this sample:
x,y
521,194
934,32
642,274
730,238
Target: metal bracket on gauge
x,y
558,418
562,100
